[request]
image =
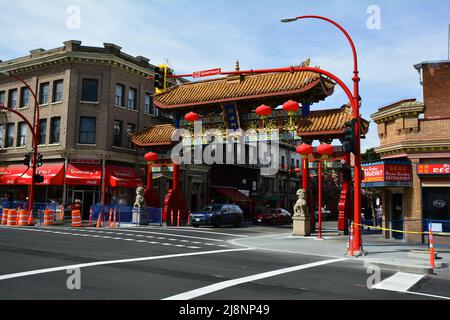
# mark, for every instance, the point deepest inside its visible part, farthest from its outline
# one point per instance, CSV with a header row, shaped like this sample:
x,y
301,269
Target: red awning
x,y
125,177
232,193
53,174
84,175
12,174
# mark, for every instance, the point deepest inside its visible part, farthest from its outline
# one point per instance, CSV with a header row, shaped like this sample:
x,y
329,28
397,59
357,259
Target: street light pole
x,y
355,101
35,132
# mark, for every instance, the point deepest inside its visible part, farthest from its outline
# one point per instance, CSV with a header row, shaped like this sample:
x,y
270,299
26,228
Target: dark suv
x,y
218,214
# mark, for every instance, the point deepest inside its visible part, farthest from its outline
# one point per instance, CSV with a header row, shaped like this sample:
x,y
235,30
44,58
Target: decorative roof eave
x,y
398,110
73,57
243,98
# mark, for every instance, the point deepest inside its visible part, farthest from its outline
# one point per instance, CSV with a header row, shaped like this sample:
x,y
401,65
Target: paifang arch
x,y
242,92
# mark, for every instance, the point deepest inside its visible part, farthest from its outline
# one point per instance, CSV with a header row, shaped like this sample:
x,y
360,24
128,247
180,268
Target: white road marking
x,y
401,282
231,283
187,229
111,262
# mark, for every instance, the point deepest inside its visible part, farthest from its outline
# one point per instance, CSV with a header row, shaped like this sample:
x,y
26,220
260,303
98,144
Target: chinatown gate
x,y
229,103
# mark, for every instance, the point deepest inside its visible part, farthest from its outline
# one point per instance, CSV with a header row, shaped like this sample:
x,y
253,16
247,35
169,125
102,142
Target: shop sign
x,y
438,169
206,73
387,174
439,204
85,161
398,173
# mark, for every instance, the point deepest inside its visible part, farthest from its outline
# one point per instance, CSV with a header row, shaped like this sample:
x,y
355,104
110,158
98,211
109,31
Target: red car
x,y
273,216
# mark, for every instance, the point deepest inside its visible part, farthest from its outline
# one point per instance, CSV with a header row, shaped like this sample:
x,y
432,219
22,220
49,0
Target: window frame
x,y
57,94
8,128
85,98
129,133
133,101
10,94
22,132
44,135
41,95
122,97
88,141
117,136
52,122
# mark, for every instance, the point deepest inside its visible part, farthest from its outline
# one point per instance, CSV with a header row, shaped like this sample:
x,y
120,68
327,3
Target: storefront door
x,y
87,200
397,215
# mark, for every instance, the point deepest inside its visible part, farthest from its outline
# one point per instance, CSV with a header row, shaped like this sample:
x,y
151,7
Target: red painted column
x,y
149,176
320,199
344,211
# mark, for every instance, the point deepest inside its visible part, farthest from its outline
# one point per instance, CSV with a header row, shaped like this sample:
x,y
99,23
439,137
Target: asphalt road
x,y
167,263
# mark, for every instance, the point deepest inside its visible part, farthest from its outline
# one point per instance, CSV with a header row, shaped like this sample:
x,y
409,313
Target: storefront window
x,y
436,203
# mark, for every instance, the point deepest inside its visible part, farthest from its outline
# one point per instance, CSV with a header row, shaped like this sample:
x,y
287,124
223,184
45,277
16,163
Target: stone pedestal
x,y
140,216
302,226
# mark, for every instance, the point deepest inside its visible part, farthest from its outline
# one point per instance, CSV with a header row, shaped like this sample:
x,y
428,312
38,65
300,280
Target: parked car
x,y
218,214
273,216
326,214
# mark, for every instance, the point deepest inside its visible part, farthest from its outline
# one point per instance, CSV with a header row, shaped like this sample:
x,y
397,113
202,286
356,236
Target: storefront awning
x,y
232,193
84,175
11,175
125,177
53,174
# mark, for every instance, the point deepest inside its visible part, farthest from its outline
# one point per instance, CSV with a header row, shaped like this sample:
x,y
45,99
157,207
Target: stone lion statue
x,y
301,206
139,203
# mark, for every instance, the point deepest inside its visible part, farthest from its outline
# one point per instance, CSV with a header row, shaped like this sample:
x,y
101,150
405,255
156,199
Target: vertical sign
x,y
231,117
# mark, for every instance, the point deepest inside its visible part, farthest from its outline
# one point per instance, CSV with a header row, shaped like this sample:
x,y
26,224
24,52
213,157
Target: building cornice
x,y
409,109
414,147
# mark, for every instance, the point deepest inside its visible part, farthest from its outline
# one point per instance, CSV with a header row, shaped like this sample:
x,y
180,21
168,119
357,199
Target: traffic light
x,y
38,178
26,160
39,160
346,174
348,143
160,80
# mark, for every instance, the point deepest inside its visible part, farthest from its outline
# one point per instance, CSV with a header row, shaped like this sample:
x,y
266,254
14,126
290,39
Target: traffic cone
x,y
189,218
99,221
90,218
110,217
178,218
432,257
115,217
352,235
31,219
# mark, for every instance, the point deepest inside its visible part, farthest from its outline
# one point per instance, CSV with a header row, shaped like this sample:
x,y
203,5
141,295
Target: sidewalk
x,y
391,254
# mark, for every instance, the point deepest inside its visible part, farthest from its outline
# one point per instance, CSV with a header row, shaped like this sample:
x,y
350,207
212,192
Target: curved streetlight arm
x,y
2,107
350,40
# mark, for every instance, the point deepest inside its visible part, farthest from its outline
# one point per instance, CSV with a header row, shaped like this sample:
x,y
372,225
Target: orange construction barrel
x,y
12,218
5,216
48,218
23,218
76,219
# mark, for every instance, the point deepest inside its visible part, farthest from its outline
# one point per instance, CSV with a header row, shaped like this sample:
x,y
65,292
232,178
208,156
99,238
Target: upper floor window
x,y
89,91
120,95
44,92
131,128
132,99
87,130
2,97
24,97
149,107
2,137
55,130
117,133
21,134
58,91
9,141
42,138
12,99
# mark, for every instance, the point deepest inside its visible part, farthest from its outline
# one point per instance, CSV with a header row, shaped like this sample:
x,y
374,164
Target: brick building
x,y
91,100
414,173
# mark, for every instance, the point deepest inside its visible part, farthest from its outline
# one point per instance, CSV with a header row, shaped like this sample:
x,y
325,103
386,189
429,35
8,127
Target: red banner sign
x,y
439,169
387,173
206,73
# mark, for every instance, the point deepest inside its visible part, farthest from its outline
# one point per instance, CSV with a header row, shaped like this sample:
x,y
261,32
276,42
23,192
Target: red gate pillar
x,y
305,186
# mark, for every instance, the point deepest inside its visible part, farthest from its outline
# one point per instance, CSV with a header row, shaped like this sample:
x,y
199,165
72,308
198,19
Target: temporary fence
x,y
122,214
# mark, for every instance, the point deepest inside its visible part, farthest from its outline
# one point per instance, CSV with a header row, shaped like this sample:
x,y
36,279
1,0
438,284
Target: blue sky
x,y
201,34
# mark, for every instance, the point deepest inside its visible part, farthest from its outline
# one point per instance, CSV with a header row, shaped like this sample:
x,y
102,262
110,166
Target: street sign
x,y
206,73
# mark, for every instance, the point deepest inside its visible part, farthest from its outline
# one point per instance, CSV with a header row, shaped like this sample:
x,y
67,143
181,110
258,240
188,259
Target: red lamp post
x,y
355,101
34,133
325,150
305,150
150,157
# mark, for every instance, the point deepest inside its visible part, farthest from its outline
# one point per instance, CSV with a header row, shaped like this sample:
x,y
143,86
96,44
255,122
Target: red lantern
x,y
305,149
325,150
264,111
151,157
291,106
192,117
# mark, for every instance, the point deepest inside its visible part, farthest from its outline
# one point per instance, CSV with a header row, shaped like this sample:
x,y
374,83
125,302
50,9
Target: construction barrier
x,y
432,257
23,218
90,217
48,218
5,216
404,232
76,219
12,218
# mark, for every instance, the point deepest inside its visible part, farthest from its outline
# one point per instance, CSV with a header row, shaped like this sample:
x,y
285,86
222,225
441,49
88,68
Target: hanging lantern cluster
x,y
325,150
151,157
291,107
192,117
305,150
